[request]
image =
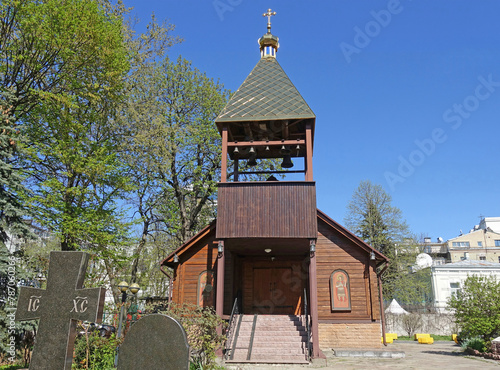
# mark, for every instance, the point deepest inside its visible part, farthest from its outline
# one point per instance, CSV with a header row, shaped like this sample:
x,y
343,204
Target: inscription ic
x,y
34,303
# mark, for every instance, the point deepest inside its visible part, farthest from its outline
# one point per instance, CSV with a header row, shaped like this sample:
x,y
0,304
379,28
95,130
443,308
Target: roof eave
x,y
168,261
379,257
264,118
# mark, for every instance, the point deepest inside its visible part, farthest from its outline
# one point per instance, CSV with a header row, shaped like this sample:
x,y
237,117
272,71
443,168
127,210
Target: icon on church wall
x,y
340,291
205,295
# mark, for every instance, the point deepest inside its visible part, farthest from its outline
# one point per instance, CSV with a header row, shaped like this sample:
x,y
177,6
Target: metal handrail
x,y
308,328
230,329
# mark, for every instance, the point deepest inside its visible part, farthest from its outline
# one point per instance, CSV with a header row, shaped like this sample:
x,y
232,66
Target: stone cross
x,y
59,307
268,14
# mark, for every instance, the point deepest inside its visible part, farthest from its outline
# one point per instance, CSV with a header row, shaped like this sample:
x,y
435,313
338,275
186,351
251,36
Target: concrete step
x,y
274,333
271,340
281,351
273,351
270,359
271,318
277,339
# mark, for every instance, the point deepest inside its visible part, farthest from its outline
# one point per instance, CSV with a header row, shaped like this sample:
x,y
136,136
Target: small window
x,y
479,244
462,244
498,259
454,288
482,258
497,243
205,296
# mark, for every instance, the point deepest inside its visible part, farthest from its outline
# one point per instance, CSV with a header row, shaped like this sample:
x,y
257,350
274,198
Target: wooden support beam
x,y
223,169
241,144
219,300
313,296
309,153
284,130
248,130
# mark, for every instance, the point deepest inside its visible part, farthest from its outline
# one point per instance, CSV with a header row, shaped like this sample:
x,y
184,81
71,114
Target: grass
x,y
11,367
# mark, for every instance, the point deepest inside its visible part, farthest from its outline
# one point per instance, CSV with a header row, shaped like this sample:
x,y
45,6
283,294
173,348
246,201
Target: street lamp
x,y
124,287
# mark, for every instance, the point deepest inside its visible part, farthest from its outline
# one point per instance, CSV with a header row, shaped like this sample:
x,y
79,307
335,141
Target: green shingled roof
x,y
266,94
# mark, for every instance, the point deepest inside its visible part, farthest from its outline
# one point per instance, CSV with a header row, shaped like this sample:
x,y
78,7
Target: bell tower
x,y
267,118
271,251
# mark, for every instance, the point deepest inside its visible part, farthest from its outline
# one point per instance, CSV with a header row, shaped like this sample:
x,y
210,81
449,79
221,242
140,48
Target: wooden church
x,y
290,280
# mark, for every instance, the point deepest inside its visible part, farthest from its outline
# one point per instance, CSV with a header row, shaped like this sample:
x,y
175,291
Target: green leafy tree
x,y
48,47
477,308
172,150
65,62
175,146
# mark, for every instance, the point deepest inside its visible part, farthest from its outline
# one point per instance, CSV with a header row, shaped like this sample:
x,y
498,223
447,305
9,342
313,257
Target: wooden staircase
x,y
280,339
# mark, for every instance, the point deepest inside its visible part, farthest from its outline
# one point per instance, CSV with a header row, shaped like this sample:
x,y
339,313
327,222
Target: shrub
x,y
95,352
475,343
201,326
411,323
477,307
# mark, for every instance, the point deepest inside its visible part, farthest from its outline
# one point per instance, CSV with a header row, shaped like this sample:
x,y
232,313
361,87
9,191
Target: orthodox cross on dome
x,y
269,14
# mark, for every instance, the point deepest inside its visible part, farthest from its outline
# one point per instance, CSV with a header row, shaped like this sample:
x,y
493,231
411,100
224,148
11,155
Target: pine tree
x,y
372,217
11,186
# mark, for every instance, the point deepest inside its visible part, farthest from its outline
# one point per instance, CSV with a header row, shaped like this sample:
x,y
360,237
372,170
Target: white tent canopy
x,y
396,309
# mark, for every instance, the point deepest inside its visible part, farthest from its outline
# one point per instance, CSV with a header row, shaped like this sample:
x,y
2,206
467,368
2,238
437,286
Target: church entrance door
x,y
276,291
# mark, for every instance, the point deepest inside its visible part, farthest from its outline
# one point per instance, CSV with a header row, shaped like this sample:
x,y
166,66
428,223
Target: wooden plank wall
x,y
200,257
267,210
334,252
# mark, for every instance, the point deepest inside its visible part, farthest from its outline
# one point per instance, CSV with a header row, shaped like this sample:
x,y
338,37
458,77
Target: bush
x,y
201,326
95,352
475,343
477,307
411,323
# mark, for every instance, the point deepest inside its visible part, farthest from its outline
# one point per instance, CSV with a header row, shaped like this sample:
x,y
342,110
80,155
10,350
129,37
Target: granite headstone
x,y
59,307
154,342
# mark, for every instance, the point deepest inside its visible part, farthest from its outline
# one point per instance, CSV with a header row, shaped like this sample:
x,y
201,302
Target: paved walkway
x,y
440,355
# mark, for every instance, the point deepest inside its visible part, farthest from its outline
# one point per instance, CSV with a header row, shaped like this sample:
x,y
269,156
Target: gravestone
x,y
154,342
59,307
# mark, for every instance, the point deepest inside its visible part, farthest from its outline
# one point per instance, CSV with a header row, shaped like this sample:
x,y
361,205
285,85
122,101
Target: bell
x,y
251,161
285,150
236,151
298,149
252,150
287,162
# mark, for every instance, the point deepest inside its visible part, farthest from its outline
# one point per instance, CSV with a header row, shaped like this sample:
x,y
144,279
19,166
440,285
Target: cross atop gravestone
x,y
59,307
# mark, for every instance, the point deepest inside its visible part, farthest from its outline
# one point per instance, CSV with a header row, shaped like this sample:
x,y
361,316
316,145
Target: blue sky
x,y
406,93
